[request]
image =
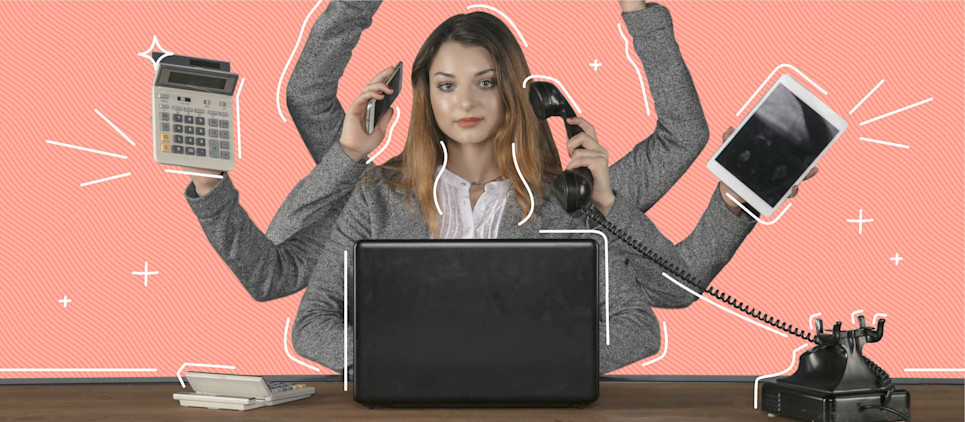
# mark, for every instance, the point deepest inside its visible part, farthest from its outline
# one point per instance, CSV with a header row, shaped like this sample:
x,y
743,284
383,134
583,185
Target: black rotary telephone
x,y
834,382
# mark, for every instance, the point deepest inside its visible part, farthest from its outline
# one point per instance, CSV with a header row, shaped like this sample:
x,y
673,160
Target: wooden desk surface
x,y
678,402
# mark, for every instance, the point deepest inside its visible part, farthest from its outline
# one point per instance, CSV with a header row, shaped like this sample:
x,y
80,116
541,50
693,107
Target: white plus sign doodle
x,y
896,258
65,301
596,64
145,273
860,220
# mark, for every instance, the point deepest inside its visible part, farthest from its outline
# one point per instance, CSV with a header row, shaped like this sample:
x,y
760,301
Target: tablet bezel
x,y
808,98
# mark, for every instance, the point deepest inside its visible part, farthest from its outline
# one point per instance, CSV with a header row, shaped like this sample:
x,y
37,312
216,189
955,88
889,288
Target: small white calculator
x,y
192,117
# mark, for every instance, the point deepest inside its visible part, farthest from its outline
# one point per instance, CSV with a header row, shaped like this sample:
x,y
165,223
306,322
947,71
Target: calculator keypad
x,y
189,132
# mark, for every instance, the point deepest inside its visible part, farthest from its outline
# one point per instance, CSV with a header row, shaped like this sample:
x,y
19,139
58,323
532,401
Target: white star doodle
x,y
147,53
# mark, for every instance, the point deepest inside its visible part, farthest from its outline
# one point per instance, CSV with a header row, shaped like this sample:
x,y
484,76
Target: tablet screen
x,y
776,145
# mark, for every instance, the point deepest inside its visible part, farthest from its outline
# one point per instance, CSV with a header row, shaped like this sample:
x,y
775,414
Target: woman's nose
x,y
466,98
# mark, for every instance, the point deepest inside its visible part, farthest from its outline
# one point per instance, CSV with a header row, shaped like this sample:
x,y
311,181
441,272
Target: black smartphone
x,y
377,108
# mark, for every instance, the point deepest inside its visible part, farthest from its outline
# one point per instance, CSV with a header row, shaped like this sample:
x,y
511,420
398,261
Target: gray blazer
x,y
287,259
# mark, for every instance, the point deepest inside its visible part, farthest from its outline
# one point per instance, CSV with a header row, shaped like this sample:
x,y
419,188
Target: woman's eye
x,y
445,86
488,83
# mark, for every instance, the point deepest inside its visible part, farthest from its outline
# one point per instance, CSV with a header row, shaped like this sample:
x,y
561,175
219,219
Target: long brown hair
x,y
412,170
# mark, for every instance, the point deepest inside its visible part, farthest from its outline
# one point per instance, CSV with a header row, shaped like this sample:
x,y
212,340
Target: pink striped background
x,y
62,60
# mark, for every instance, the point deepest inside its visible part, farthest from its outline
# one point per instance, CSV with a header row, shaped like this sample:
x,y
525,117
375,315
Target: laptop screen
x,y
476,320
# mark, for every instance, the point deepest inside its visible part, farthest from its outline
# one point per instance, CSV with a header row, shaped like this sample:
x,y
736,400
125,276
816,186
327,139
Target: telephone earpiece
x,y
572,188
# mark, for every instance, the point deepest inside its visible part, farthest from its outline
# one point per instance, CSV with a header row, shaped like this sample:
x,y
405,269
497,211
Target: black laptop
x,y
477,323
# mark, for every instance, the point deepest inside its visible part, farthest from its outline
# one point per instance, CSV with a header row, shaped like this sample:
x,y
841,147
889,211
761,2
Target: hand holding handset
x,y
359,135
572,188
376,107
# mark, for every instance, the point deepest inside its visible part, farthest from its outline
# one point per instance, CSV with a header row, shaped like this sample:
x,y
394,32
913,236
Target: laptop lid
x,y
478,322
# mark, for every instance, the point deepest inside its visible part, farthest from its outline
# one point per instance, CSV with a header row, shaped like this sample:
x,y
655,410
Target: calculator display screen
x,y
196,80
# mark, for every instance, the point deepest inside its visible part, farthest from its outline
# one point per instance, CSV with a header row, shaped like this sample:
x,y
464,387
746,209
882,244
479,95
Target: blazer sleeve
x,y
648,171
313,85
271,268
316,112
703,254
319,331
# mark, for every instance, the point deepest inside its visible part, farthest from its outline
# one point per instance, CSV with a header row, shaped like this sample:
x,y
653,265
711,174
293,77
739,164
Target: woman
x,y
468,111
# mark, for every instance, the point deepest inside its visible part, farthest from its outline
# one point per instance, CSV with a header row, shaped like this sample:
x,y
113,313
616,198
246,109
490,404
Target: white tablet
x,y
776,145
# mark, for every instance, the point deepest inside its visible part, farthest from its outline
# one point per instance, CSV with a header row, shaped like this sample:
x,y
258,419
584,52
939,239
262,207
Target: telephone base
x,y
794,402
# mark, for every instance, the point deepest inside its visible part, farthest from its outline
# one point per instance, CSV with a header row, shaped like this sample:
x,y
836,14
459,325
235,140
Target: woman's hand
x,y
724,190
354,141
203,184
594,157
631,5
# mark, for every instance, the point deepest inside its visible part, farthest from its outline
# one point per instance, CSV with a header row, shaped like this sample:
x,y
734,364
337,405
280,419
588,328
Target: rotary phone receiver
x,y
573,187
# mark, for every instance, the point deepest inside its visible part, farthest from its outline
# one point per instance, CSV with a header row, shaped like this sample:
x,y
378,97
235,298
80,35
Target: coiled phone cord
x,y
677,271
883,377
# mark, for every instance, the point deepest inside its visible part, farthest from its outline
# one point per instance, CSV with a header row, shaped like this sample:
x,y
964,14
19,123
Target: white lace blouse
x,y
459,219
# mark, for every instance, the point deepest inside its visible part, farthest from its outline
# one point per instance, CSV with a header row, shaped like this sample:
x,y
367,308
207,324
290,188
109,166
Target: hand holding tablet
x,y
776,146
724,190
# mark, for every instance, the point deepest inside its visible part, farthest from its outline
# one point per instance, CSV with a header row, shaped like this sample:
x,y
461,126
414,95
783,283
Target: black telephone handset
x,y
834,382
574,187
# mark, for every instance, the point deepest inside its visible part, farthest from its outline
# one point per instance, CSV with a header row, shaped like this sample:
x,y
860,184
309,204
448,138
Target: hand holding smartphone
x,y
376,108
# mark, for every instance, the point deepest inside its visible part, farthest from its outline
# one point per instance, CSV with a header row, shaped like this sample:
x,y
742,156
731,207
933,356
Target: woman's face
x,y
462,90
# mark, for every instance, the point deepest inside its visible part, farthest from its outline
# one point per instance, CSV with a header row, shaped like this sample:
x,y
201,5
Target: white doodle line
x,y
145,273
606,271
894,112
701,297
866,97
105,179
114,126
766,223
238,115
345,322
562,88
78,369
530,192
666,346
769,78
525,44
284,71
854,313
391,129
147,53
934,369
445,160
626,51
293,358
811,319
202,365
875,322
191,173
758,379
85,149
884,143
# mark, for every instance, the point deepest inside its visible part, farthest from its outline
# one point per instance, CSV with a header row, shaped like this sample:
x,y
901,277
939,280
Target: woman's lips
x,y
467,123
